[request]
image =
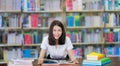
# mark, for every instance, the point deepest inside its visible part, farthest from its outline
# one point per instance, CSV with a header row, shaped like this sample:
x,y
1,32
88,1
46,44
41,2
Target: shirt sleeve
x,y
44,43
69,44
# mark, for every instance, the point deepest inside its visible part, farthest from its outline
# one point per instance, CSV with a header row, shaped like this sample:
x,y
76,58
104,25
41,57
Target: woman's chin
x,y
56,38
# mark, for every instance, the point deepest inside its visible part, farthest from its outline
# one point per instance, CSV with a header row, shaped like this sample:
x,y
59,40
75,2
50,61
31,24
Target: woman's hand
x,y
40,61
41,57
74,61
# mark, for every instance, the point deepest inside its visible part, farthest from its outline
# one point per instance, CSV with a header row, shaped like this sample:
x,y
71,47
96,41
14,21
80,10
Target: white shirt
x,y
59,51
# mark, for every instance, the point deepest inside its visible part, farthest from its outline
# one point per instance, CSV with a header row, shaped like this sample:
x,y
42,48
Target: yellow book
x,y
95,56
5,55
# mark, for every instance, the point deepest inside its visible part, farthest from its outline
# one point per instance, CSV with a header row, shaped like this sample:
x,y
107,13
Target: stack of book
x,y
96,59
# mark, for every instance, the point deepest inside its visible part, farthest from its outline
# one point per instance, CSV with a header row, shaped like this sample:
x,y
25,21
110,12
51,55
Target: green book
x,y
77,20
103,61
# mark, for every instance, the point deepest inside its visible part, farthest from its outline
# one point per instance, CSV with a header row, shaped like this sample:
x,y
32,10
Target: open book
x,y
49,61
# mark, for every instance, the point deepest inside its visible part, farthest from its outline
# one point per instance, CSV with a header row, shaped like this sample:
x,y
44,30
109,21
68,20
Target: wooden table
x,y
59,65
115,61
3,64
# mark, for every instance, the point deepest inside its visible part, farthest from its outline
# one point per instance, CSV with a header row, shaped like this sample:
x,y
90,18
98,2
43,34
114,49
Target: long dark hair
x,y
51,38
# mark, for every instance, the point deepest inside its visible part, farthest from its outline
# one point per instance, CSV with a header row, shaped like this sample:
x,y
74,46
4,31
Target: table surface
x,y
115,62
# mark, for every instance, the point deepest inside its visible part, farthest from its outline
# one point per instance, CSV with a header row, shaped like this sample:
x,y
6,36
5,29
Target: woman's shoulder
x,y
67,37
45,38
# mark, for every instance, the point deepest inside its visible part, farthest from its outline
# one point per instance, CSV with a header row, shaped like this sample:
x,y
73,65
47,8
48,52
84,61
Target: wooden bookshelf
x,y
10,11
37,28
117,43
112,27
96,43
85,11
9,45
10,28
82,27
60,11
31,45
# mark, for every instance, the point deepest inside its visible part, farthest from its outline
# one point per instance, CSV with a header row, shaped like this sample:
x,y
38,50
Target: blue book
x,y
97,64
110,52
36,37
70,21
119,36
26,53
116,51
28,5
115,36
102,62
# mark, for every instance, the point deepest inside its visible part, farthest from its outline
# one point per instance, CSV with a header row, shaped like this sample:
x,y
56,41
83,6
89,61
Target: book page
x,y
49,61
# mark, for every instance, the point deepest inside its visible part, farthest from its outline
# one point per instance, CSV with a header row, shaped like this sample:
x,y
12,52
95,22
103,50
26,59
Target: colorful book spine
x,y
27,39
70,21
110,37
34,20
69,5
77,20
119,36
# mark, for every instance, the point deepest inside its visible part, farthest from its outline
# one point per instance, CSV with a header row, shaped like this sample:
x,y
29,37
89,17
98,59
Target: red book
x,y
74,51
110,37
106,51
34,20
69,5
27,39
80,49
68,35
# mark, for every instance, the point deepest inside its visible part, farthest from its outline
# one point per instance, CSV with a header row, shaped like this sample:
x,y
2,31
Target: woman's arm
x,y
41,57
72,57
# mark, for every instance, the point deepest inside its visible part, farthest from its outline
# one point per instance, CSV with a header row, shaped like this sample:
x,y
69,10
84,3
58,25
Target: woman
x,y
57,45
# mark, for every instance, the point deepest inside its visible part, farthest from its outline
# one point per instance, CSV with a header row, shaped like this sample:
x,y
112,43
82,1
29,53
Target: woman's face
x,y
57,32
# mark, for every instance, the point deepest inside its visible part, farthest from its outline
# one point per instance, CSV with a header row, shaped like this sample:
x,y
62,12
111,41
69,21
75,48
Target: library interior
x,y
93,27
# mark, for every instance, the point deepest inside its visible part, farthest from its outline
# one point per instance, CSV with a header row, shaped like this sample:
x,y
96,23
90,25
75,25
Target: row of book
x,y
27,20
78,52
10,53
111,4
84,5
18,53
84,36
45,5
112,35
39,20
34,37
41,5
15,37
74,19
8,5
9,20
112,51
89,49
111,19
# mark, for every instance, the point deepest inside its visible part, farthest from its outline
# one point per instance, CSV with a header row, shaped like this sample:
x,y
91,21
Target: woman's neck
x,y
57,42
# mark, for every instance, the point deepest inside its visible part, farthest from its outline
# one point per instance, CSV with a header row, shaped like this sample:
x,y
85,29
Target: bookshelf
x,y
66,9
89,15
